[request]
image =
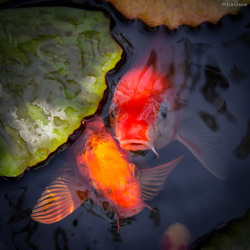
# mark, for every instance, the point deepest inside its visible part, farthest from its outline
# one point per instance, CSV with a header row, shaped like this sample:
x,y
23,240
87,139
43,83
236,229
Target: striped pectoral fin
x,y
60,199
208,147
152,180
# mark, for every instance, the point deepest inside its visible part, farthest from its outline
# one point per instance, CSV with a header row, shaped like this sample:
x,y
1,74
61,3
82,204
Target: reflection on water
x,y
61,239
243,150
218,65
15,200
155,216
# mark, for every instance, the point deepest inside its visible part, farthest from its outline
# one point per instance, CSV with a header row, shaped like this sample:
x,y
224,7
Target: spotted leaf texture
x,y
53,63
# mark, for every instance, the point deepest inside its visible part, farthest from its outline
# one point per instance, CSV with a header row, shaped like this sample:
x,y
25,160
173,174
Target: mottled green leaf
x,y
52,74
235,235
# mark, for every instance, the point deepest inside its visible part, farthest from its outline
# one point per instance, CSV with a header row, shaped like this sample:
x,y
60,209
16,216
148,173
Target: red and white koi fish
x,y
175,237
149,110
104,173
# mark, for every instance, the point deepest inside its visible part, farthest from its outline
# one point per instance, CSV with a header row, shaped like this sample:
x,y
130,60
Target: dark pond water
x,y
218,77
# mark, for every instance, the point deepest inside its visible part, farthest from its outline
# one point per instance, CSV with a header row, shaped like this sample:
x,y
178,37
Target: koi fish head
x,y
138,107
127,200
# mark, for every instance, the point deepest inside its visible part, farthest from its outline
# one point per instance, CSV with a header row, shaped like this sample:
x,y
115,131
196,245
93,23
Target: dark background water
x,y
218,59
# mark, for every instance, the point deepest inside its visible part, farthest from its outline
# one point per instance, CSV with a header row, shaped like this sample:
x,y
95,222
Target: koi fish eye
x,y
163,111
112,114
112,110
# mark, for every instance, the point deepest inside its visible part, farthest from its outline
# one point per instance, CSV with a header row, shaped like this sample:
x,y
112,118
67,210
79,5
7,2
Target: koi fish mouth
x,y
135,145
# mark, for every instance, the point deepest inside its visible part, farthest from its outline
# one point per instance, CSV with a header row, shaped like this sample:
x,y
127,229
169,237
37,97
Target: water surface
x,y
218,76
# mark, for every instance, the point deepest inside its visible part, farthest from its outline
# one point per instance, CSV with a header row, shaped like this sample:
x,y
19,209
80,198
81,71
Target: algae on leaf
x,y
235,235
52,74
175,13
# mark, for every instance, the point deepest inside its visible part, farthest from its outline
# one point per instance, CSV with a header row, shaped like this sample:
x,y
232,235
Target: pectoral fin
x,y
204,144
152,180
59,199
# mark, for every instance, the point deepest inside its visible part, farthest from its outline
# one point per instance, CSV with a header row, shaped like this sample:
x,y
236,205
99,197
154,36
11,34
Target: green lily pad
x,y
175,13
235,235
52,74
